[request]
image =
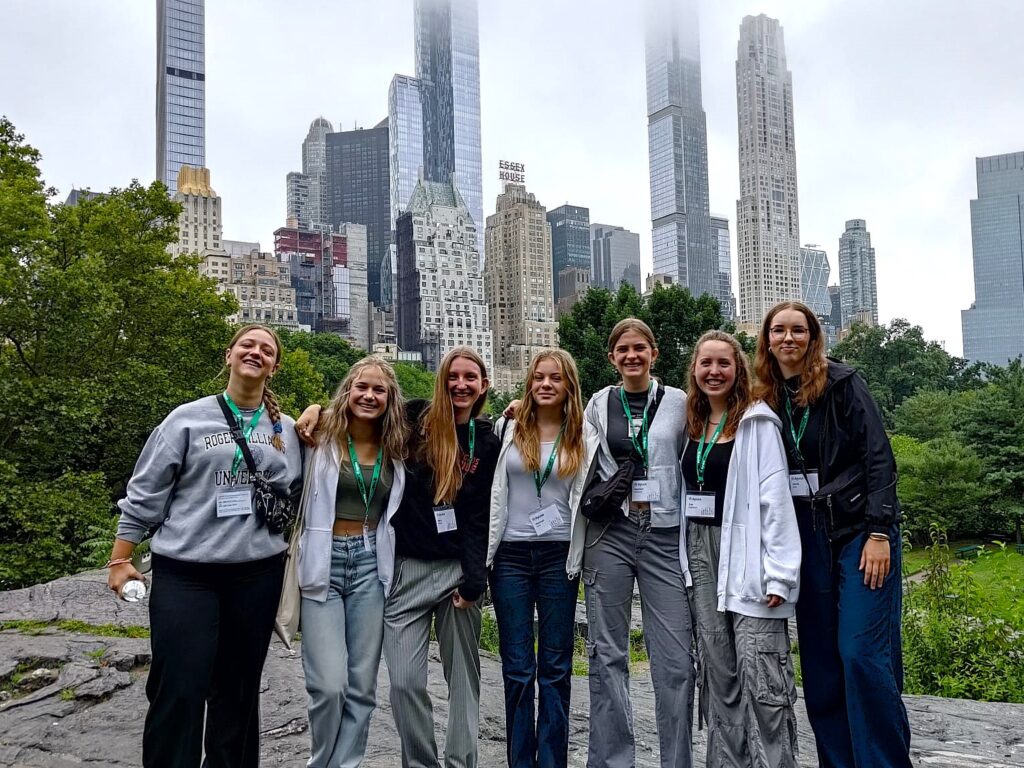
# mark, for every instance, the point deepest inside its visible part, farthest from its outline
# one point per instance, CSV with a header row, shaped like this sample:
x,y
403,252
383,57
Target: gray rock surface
x,y
92,710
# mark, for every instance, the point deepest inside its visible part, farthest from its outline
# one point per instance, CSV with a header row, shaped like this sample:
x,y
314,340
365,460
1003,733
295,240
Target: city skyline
x,y
915,146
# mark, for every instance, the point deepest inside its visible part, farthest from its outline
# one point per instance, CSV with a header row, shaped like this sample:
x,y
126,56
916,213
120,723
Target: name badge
x,y
700,504
798,484
366,539
646,490
543,520
234,502
444,516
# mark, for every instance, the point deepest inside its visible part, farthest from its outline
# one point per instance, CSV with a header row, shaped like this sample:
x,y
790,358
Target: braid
x,y
274,409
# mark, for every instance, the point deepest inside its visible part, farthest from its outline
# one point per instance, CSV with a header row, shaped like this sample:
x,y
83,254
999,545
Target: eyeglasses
x,y
779,332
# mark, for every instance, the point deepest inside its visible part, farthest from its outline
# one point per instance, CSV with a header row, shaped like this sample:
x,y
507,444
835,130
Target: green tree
x,y
329,354
102,333
941,484
675,317
928,414
416,382
896,362
297,382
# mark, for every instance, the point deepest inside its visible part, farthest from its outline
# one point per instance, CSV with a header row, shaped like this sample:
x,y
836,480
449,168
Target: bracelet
x,y
119,561
877,536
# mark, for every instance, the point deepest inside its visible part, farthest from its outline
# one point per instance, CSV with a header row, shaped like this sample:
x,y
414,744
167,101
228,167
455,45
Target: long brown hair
x,y
527,435
698,407
394,432
269,398
439,446
814,376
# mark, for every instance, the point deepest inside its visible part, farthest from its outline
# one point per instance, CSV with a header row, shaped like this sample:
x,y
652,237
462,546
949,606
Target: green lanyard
x,y
538,479
702,455
357,470
472,444
246,430
641,446
797,435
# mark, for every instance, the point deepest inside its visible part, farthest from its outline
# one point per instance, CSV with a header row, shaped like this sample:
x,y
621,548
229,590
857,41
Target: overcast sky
x,y
893,101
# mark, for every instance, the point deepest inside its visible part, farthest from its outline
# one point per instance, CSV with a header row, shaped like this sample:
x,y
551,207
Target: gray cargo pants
x,y
630,549
422,593
747,686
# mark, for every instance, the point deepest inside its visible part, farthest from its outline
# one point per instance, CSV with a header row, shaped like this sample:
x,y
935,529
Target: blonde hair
x,y
392,427
813,378
527,434
698,407
269,398
439,447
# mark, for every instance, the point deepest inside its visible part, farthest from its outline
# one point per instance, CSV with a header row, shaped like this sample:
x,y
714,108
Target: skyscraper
x,y
180,88
440,302
359,191
721,248
994,325
405,137
314,167
328,273
616,257
297,200
200,224
448,69
570,241
678,147
814,272
857,273
517,284
767,213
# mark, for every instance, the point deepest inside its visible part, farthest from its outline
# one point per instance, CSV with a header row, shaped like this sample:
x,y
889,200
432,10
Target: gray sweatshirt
x,y
184,467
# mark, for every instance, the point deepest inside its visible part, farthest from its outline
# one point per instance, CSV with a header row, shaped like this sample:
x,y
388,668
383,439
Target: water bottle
x,y
133,591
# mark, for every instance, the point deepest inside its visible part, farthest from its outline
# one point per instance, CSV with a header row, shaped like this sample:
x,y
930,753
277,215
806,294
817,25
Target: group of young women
x,y
750,499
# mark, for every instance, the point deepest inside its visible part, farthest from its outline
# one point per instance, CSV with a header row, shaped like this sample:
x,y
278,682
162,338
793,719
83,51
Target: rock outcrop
x,y
71,696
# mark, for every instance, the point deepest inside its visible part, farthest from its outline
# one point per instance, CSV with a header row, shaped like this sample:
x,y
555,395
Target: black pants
x,y
211,626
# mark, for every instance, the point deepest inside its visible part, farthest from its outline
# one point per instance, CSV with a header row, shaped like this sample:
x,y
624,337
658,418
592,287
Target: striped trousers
x,y
422,594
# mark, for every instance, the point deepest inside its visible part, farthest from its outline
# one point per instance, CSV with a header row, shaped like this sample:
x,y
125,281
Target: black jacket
x,y
416,533
852,433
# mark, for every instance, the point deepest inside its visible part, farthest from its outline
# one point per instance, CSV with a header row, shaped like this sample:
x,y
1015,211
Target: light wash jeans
x,y
341,646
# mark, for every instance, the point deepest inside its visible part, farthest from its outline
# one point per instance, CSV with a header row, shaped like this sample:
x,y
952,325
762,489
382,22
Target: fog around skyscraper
x,y
913,96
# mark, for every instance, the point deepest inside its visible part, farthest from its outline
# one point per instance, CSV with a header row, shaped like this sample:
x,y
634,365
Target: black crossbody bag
x,y
272,508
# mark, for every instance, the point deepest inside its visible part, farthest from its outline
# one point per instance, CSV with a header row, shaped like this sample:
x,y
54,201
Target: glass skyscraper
x,y
405,124
994,325
570,240
448,68
857,273
616,257
721,247
359,192
767,213
180,88
814,272
678,147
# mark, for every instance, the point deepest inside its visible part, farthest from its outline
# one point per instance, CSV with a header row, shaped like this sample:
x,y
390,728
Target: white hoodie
x,y
316,537
578,523
760,552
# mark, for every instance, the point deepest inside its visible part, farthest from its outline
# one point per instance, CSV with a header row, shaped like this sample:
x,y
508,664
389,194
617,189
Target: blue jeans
x,y
341,643
851,653
530,575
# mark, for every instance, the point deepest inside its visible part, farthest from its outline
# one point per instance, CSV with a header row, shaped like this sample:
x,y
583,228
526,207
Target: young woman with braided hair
x,y
217,568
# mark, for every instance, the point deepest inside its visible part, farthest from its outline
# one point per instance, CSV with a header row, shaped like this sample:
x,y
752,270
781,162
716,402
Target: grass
x,y
67,694
32,627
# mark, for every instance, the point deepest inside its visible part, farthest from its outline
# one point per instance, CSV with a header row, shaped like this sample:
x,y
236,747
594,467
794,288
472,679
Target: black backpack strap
x,y
236,433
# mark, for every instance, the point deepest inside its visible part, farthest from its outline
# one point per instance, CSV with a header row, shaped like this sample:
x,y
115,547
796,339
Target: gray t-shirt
x,y
522,498
183,469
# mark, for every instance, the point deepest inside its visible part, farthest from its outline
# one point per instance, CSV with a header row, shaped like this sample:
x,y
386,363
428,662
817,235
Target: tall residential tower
x,y
767,213
570,242
180,88
448,69
994,325
678,148
857,274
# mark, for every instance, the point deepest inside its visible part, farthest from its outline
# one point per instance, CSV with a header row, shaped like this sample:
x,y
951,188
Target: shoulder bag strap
x,y
236,433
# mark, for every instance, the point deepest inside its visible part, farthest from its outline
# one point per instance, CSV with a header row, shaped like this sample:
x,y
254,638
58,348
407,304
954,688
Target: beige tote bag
x,y
286,624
